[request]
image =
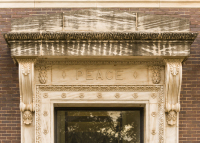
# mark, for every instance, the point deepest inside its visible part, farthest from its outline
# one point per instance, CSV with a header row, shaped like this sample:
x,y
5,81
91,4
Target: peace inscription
x,y
100,74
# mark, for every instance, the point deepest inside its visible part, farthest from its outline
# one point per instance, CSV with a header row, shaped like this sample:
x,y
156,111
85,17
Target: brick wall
x,y
9,87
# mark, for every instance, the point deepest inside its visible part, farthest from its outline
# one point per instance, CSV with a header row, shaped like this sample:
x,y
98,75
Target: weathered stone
x,y
99,20
100,48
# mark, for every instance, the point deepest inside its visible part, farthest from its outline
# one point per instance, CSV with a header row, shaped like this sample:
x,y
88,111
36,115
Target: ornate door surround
x,y
125,63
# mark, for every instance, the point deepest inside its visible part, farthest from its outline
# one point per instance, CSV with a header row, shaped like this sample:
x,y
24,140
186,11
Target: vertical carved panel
x,y
42,69
173,81
26,83
156,74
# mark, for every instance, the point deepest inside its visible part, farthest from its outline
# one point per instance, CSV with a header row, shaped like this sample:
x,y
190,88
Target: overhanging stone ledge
x,y
100,43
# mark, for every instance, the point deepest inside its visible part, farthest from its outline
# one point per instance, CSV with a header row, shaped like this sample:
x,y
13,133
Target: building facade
x,y
113,57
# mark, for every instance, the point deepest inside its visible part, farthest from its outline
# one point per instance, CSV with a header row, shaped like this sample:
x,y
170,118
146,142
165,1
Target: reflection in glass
x,y
96,126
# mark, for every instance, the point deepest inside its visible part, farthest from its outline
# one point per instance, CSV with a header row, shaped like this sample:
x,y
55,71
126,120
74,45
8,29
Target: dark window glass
x,y
99,125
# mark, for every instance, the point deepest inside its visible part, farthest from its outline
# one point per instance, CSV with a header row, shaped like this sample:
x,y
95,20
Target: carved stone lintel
x,y
173,81
26,79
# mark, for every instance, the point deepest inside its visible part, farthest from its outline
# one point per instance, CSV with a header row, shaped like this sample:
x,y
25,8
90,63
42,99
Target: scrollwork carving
x,y
173,81
26,79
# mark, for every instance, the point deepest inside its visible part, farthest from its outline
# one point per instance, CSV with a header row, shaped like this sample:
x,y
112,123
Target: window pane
x,y
86,126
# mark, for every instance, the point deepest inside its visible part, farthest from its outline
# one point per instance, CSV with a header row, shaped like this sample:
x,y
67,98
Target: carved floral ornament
x,y
42,69
156,74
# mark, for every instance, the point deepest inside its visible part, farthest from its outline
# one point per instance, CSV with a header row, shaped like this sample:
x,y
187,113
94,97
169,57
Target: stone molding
x,y
100,36
41,89
41,62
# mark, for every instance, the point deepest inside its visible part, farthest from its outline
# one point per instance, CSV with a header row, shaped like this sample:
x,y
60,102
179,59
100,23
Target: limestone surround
x,y
116,65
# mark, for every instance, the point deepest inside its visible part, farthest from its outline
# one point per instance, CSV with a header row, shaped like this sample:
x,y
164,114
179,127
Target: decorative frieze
x,y
97,62
100,88
100,36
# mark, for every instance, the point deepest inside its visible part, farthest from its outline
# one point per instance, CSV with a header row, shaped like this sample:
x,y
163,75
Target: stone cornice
x,y
101,36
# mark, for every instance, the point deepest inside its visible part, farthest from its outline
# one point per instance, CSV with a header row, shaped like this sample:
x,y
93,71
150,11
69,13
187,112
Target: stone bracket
x,y
26,84
173,75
